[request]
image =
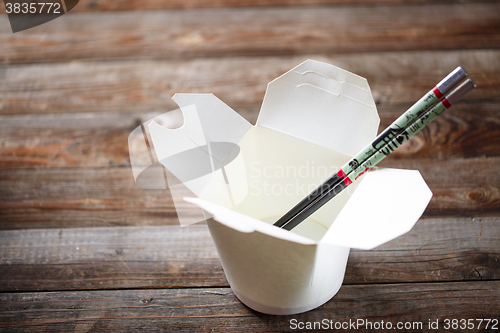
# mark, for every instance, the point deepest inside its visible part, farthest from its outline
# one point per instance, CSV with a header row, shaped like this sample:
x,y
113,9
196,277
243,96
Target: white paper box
x,y
313,118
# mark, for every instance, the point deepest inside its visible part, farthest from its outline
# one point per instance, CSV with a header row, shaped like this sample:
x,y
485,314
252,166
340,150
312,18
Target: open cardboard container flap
x,y
318,103
316,116
369,220
322,104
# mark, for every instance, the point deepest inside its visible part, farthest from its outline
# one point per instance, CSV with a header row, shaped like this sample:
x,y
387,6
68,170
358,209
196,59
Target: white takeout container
x,y
313,118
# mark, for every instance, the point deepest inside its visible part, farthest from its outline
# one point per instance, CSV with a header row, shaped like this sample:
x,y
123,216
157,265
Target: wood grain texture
x,y
435,250
469,129
42,198
69,140
254,31
461,187
397,80
110,258
83,197
217,309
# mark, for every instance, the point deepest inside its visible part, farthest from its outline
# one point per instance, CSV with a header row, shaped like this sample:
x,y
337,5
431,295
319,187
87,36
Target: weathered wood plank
x,y
64,140
469,129
110,258
397,79
208,310
451,249
109,5
74,139
41,198
254,31
84,197
101,139
461,187
68,140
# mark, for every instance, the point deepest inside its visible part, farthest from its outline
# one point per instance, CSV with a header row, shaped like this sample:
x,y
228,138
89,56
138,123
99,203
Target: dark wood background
x,y
83,249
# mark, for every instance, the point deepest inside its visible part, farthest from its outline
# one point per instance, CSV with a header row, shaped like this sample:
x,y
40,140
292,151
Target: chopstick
x,y
430,98
407,125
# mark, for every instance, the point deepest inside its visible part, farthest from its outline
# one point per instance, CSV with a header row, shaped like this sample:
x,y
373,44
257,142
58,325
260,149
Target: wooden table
x,y
83,248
